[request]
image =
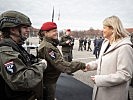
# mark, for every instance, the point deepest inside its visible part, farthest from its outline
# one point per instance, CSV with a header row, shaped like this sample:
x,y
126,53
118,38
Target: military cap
x,y
48,26
69,30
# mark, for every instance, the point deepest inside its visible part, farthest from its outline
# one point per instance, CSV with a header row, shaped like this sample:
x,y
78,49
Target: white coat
x,y
114,70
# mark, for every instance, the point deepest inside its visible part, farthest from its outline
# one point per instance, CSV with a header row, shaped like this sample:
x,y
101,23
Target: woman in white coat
x,y
115,63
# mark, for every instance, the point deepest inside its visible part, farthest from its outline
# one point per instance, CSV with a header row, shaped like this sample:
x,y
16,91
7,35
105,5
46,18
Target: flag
x,y
53,15
59,16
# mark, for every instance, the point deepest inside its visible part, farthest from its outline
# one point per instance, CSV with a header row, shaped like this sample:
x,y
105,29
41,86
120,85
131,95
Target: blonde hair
x,y
118,30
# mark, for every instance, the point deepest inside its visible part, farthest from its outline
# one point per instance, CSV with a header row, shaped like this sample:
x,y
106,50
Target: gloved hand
x,y
43,63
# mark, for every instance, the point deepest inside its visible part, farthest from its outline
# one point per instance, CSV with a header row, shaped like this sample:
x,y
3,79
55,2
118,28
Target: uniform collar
x,y
55,42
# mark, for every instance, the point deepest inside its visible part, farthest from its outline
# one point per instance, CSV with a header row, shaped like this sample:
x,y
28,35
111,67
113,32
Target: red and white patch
x,y
10,67
52,55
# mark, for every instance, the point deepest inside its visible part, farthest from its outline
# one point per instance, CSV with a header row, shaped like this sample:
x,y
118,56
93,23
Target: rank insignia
x,y
52,55
10,67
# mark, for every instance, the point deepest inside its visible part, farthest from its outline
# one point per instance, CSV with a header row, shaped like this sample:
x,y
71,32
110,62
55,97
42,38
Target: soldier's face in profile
x,y
25,31
52,34
20,34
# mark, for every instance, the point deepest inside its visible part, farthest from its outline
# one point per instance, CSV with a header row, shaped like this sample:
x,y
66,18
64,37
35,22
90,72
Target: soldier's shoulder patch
x,y
10,67
52,54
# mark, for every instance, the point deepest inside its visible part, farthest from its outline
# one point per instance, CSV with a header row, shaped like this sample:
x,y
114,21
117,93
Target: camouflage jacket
x,y
55,63
21,80
66,47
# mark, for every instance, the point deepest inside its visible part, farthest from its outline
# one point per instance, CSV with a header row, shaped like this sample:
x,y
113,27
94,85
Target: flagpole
x,y
59,16
53,15
58,24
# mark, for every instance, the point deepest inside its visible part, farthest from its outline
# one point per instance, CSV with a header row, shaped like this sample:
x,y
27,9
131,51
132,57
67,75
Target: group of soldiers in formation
x,y
67,43
83,44
97,45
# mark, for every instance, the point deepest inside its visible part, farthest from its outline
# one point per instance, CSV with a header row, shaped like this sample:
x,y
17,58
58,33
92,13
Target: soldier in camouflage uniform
x,y
55,63
67,43
21,76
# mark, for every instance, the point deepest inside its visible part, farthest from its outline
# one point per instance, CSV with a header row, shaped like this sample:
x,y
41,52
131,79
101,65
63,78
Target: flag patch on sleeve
x,y
52,54
10,67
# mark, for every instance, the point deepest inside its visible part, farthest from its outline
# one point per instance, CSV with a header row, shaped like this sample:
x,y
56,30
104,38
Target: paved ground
x,y
84,56
69,88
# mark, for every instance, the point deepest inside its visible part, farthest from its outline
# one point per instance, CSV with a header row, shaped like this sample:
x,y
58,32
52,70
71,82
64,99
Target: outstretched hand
x,y
93,78
43,63
86,68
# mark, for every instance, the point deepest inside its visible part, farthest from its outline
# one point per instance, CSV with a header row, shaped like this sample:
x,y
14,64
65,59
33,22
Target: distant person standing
x,y
89,45
81,41
85,42
96,47
67,43
73,42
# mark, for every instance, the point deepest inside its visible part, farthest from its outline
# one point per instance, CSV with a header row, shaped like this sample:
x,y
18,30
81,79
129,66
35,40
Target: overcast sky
x,y
74,14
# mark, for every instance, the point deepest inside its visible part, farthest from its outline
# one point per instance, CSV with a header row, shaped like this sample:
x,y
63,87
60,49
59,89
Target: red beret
x,y
48,26
68,30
